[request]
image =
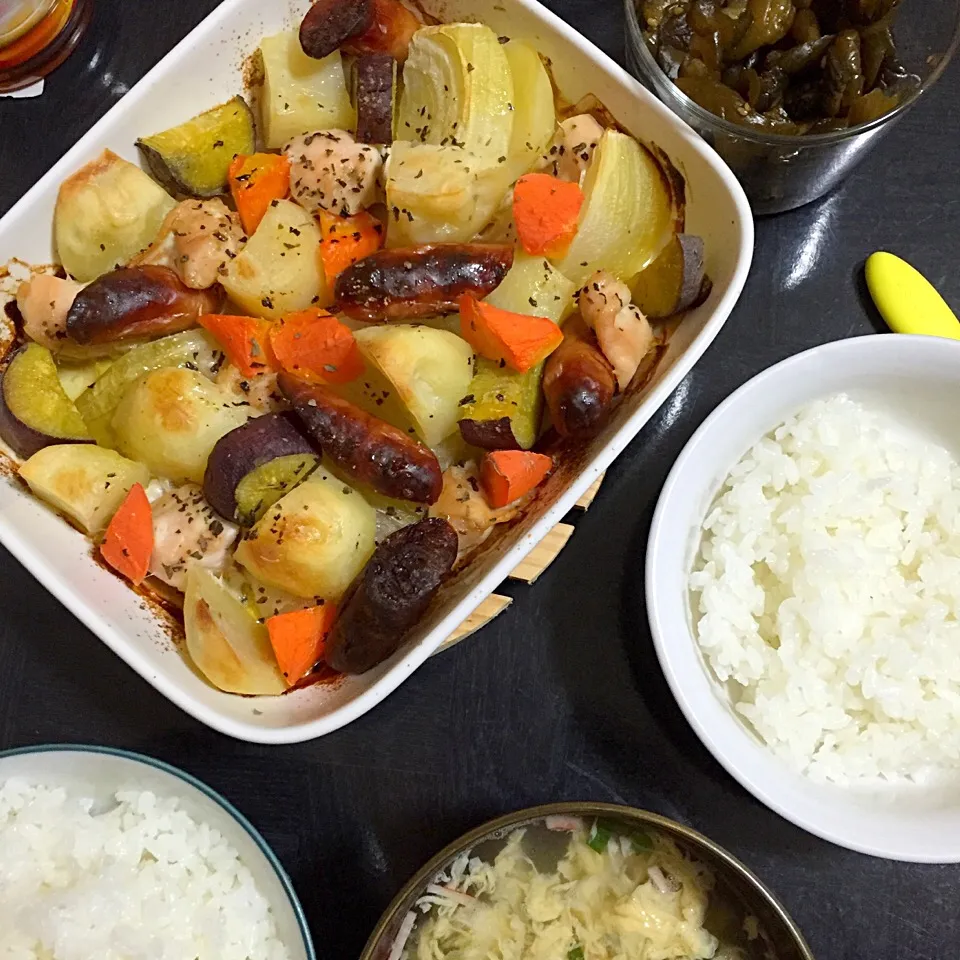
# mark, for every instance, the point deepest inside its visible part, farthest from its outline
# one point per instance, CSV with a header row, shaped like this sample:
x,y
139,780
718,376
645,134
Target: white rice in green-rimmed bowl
x,y
116,856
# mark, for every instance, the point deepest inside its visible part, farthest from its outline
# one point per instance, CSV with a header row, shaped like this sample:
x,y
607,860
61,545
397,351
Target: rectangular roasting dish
x,y
206,68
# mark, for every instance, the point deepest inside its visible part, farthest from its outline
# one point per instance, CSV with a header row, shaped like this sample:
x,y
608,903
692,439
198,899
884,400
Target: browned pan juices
x,y
9,470
323,676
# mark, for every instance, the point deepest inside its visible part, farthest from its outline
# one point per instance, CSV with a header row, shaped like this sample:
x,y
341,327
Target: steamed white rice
x,y
140,881
826,595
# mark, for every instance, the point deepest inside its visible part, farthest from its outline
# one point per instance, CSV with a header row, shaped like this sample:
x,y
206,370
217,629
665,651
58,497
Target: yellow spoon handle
x,y
907,300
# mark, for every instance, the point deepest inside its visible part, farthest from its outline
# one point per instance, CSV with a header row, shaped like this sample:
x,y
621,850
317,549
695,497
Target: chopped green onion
x,y
576,953
599,837
613,827
641,841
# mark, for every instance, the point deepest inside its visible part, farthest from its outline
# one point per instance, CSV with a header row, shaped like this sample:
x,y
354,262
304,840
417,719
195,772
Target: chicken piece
x,y
463,505
197,239
623,332
261,391
186,531
44,302
331,171
573,146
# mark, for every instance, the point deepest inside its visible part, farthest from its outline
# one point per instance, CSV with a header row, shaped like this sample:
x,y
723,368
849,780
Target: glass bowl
x,y
742,910
781,172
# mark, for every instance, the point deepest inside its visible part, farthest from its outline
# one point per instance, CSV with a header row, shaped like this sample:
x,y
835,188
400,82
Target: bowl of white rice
x,y
803,591
113,855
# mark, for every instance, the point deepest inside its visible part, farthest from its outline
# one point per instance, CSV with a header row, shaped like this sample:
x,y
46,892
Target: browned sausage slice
x,y
370,450
578,383
403,284
137,302
329,22
391,594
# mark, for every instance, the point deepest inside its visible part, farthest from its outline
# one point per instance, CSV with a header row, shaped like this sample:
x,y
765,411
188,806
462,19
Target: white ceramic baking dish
x,y
205,69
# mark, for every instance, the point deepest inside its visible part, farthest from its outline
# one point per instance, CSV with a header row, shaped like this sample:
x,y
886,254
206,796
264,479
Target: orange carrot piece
x,y
347,240
506,475
255,182
519,340
245,341
298,639
316,346
128,543
546,211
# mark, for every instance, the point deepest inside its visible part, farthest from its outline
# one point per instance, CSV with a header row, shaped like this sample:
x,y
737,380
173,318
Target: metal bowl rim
x,y
580,808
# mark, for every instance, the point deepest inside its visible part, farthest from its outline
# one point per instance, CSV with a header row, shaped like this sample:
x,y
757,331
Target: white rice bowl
x,y
139,880
826,595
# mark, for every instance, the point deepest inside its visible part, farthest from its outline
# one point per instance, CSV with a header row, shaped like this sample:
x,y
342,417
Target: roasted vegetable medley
x,y
783,66
297,375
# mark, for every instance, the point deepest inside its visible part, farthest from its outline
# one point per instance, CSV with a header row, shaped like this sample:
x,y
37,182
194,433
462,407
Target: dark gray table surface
x,y
562,696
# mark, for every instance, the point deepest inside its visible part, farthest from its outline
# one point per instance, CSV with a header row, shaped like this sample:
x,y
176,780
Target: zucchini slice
x,y
502,409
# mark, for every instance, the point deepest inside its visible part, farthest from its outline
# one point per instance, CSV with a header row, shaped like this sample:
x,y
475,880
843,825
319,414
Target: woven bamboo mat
x,y
527,571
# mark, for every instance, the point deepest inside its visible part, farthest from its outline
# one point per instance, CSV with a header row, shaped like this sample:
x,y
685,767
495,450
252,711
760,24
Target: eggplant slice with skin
x,y
35,412
376,97
254,465
675,281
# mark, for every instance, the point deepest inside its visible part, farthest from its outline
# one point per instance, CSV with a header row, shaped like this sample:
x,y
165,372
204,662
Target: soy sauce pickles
x,y
783,66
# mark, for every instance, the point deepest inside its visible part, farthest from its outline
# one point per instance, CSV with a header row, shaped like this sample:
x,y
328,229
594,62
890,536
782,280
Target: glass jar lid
x,y
17,17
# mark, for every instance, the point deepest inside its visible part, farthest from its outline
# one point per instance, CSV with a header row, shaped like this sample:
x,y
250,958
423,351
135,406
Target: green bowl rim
x,y
580,808
209,792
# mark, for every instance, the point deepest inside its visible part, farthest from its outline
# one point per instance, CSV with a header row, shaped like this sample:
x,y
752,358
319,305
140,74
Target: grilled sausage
x,y
135,302
421,281
578,383
391,594
329,22
370,450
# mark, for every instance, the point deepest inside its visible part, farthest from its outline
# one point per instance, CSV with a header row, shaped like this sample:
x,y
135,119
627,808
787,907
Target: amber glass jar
x,y
36,36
